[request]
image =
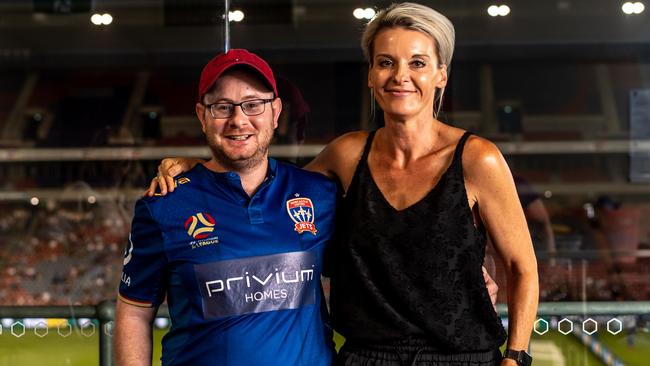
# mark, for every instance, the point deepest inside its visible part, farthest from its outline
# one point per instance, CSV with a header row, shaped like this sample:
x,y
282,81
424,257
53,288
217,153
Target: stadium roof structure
x,y
159,31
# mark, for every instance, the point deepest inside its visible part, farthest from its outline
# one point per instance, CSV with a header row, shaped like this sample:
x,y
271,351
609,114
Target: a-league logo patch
x,y
200,225
301,211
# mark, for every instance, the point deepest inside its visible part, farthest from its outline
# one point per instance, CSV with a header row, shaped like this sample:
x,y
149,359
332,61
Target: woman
x,y
421,197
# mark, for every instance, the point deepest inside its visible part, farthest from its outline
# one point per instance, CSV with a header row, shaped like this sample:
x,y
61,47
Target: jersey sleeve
x,y
143,275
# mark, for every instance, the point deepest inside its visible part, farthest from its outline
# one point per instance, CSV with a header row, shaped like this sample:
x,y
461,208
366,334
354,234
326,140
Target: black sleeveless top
x,y
413,273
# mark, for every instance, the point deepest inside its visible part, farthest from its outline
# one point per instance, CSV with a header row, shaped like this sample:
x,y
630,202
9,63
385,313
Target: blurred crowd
x,y
60,253
69,252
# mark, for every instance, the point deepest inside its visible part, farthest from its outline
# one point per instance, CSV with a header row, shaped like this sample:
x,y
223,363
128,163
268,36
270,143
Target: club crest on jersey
x,y
199,225
301,211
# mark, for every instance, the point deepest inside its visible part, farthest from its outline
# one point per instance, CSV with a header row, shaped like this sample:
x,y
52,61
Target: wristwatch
x,y
522,358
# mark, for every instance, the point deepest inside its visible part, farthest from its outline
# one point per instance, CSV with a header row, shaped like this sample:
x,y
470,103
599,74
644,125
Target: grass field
x,y
637,354
51,350
54,350
555,349
551,349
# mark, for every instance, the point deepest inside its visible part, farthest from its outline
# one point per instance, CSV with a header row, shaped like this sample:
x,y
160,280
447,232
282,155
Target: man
x,y
238,249
541,232
539,222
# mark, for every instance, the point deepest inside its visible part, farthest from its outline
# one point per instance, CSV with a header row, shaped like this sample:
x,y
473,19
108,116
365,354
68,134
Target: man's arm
x,y
133,334
339,159
536,211
142,287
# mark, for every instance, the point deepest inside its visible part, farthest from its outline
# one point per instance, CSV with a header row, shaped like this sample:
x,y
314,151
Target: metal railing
x,y
105,313
28,154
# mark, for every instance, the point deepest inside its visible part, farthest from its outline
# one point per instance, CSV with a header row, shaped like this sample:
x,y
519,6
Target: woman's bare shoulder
x,y
483,163
481,152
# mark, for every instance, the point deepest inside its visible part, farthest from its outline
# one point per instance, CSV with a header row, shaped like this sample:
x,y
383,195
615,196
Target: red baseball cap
x,y
222,62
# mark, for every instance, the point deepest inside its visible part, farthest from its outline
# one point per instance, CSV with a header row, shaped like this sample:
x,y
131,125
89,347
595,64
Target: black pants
x,y
410,353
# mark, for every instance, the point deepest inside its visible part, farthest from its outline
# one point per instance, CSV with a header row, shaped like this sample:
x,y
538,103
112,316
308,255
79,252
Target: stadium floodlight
x,y
611,329
541,326
630,8
96,19
369,13
586,323
101,19
638,7
107,19
498,10
559,326
236,16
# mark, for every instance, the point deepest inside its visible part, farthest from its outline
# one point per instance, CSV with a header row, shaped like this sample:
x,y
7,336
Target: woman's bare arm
x,y
491,187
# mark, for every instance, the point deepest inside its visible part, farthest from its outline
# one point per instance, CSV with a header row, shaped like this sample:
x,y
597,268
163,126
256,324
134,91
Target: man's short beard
x,y
240,164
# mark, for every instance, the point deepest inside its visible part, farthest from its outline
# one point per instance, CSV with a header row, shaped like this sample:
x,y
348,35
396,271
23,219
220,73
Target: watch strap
x,y
522,358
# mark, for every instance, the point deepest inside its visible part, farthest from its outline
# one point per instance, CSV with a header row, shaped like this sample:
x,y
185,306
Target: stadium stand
x,y
71,256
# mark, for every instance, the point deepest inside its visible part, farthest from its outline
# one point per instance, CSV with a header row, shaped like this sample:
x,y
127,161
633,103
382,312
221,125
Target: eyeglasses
x,y
253,107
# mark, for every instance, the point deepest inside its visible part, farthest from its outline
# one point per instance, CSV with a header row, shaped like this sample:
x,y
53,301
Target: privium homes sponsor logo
x,y
258,284
301,211
199,226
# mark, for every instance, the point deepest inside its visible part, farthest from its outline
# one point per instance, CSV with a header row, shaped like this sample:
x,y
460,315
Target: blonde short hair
x,y
414,17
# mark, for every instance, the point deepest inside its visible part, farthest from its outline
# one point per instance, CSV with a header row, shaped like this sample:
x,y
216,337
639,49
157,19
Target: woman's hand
x,y
167,170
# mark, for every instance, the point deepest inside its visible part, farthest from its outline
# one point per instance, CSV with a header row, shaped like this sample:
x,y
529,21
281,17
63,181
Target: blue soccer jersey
x,y
241,274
